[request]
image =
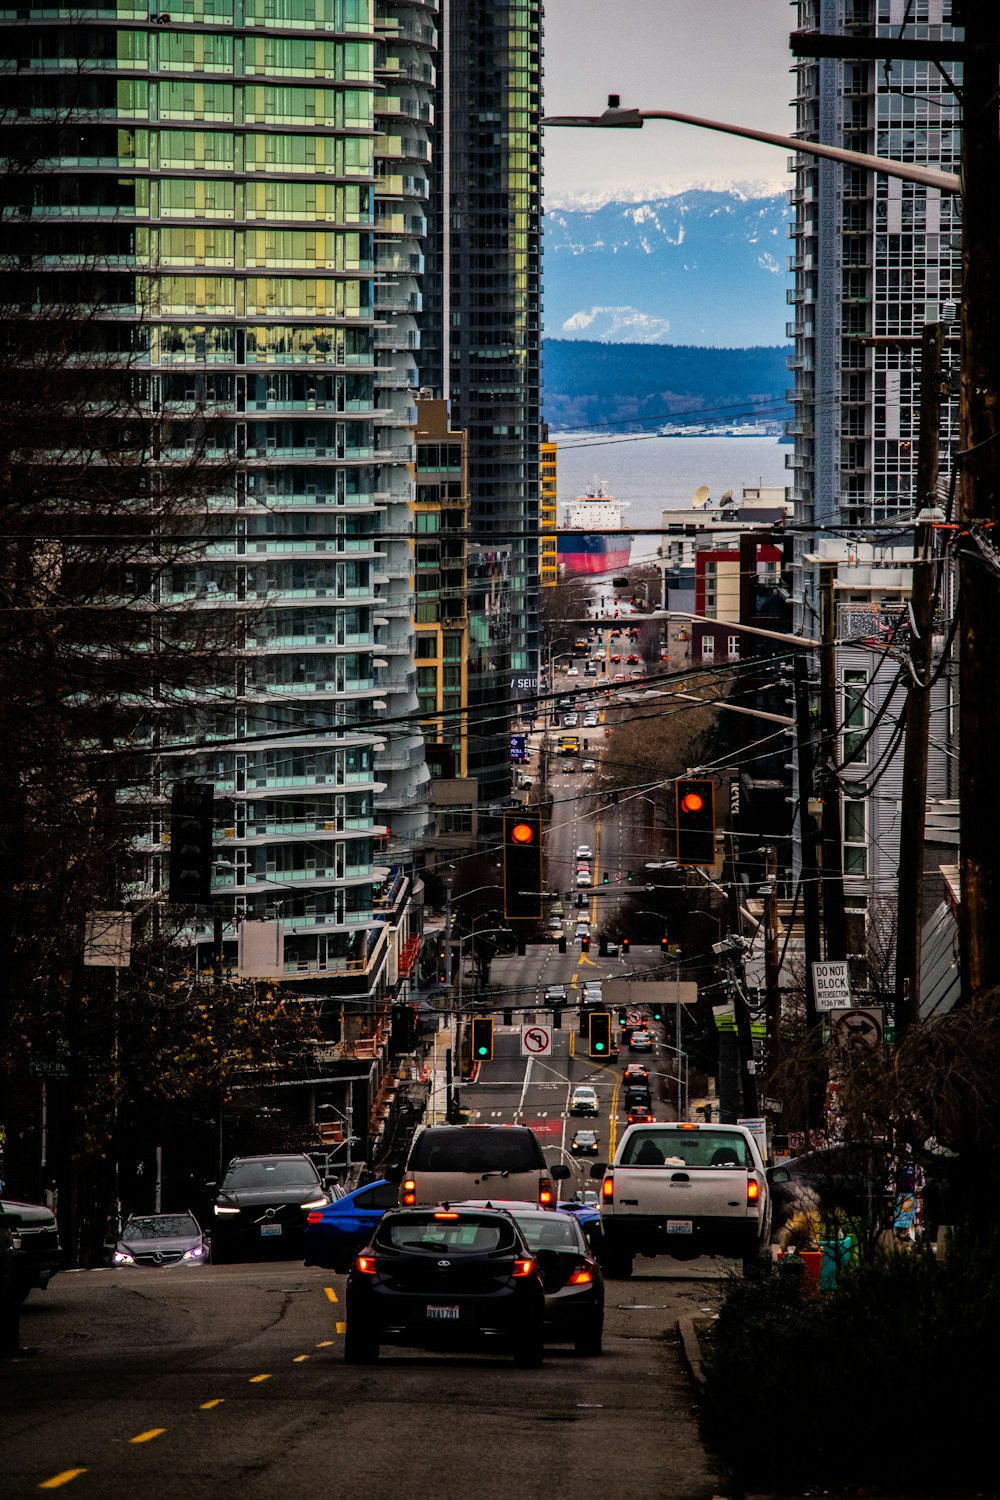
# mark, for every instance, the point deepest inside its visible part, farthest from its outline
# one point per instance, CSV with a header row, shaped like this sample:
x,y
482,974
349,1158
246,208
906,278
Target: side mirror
x,y
559,1171
598,1168
778,1174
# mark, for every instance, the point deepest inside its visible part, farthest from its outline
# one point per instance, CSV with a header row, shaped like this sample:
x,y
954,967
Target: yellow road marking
x,y
60,1479
256,1379
299,1358
145,1437
341,1327
207,1405
330,1293
326,1344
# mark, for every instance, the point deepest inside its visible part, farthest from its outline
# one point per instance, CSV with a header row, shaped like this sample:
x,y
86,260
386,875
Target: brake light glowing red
x,y
582,1276
524,1266
314,1218
409,1193
446,1216
608,1188
753,1190
365,1264
546,1196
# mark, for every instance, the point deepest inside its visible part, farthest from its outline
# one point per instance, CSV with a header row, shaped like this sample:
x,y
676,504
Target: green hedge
x,y
889,1381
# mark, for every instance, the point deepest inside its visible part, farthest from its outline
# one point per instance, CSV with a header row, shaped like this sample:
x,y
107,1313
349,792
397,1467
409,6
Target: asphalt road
x,y
226,1380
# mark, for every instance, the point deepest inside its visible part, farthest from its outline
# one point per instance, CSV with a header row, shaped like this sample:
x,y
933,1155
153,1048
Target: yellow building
x,y
548,547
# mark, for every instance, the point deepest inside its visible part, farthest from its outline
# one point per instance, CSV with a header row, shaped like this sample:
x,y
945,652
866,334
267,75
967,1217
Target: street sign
x,y
519,748
536,1041
647,992
857,1027
831,985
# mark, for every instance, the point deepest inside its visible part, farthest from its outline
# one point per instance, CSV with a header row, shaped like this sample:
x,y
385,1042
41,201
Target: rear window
x,y
550,1231
464,1149
686,1148
435,1234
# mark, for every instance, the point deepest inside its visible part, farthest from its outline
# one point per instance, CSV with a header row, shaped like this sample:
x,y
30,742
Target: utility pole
x,y
809,836
772,994
909,917
979,504
834,917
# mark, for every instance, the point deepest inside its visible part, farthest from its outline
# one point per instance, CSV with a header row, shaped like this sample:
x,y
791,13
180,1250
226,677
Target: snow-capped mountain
x,y
703,267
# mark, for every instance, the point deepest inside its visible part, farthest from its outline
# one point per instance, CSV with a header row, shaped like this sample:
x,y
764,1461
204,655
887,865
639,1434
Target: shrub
x,y
887,1381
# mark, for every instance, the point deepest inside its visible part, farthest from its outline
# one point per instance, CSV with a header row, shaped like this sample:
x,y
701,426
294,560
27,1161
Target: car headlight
x,y
320,1202
224,1208
122,1258
197,1252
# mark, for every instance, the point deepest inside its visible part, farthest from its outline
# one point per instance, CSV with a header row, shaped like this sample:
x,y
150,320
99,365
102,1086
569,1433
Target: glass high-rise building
x,y
481,343
221,155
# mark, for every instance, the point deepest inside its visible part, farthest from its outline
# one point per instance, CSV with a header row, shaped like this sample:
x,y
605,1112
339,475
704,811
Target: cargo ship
x,y
599,544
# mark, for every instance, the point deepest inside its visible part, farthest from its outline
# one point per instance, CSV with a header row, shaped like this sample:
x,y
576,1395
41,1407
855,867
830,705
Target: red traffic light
x,y
692,802
522,833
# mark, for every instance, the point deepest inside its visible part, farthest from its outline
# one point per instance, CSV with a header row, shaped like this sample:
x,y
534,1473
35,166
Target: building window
x,y
855,840
708,648
855,716
734,648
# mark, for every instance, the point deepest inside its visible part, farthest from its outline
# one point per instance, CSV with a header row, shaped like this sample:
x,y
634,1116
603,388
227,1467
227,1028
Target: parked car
x,y
455,1279
856,1179
335,1234
262,1205
38,1252
158,1240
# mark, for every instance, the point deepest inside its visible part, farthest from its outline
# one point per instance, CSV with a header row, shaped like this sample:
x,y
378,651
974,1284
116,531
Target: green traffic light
x,y
482,1051
598,1046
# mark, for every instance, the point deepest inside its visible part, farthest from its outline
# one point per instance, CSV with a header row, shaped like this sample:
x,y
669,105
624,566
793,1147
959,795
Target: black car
x,y
450,1280
158,1240
584,1143
262,1205
10,1299
39,1255
574,1286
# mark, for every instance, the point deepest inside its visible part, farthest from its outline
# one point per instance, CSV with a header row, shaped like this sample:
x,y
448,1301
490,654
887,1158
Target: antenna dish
x,y
700,497
727,498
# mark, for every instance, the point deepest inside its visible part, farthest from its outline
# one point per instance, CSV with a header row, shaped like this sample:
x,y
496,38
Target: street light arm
x,y
615,117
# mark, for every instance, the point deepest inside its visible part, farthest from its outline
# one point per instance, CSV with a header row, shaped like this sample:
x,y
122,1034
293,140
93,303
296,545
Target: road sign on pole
x,y
831,985
536,1041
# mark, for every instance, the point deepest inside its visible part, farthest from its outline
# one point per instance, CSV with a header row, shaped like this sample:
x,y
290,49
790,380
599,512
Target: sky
x,y
724,59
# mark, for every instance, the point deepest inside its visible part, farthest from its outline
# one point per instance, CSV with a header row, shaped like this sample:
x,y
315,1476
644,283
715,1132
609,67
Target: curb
x,y
691,1350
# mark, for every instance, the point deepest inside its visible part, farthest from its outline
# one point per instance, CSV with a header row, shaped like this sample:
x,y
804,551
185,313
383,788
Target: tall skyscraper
x,y
874,260
221,156
481,347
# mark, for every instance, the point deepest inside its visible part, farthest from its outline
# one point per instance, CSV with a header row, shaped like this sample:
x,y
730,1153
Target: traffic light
x,y
657,1011
622,1014
624,945
630,877
482,1038
664,945
508,1016
190,843
695,821
557,1018
605,878
522,865
599,1034
585,944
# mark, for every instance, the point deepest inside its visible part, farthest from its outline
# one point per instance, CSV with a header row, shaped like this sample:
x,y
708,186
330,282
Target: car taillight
x,y
365,1264
753,1190
409,1193
582,1276
608,1188
524,1266
546,1196
314,1218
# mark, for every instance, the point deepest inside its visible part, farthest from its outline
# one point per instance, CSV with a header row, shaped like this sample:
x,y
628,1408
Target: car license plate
x,y
270,1229
680,1226
443,1314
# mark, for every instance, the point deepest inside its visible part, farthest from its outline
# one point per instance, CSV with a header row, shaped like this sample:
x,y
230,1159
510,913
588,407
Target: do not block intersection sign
x,y
831,985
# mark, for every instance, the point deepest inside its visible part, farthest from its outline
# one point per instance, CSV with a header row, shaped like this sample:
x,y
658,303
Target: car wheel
x,y
360,1348
529,1352
617,1265
589,1342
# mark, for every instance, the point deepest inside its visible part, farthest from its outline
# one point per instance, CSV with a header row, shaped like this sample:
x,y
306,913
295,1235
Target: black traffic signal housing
x,y
585,944
605,878
190,843
562,943
695,820
403,1035
522,865
599,1034
508,1015
624,945
557,1018
664,946
622,1014
482,1038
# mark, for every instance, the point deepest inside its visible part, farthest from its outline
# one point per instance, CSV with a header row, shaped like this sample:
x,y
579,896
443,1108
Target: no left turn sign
x,y
536,1041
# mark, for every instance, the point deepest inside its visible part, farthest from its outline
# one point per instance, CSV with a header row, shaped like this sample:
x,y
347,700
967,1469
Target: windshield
x,y
686,1148
161,1227
428,1232
268,1174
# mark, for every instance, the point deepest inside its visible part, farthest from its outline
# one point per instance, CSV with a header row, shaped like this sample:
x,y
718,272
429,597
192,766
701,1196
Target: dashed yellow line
x,y
256,1379
330,1293
58,1480
299,1358
207,1405
325,1344
341,1327
147,1437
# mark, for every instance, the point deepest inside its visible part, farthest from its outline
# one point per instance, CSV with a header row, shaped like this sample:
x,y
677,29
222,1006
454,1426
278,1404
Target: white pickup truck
x,y
684,1190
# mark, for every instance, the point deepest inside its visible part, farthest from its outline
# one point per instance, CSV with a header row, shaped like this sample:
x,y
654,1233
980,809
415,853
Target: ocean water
x,y
657,474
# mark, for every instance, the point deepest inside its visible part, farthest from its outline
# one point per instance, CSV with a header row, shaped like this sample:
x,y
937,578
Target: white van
x,y
455,1163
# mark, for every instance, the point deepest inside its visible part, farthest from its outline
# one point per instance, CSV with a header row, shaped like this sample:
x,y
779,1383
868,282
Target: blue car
x,y
336,1233
588,1216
